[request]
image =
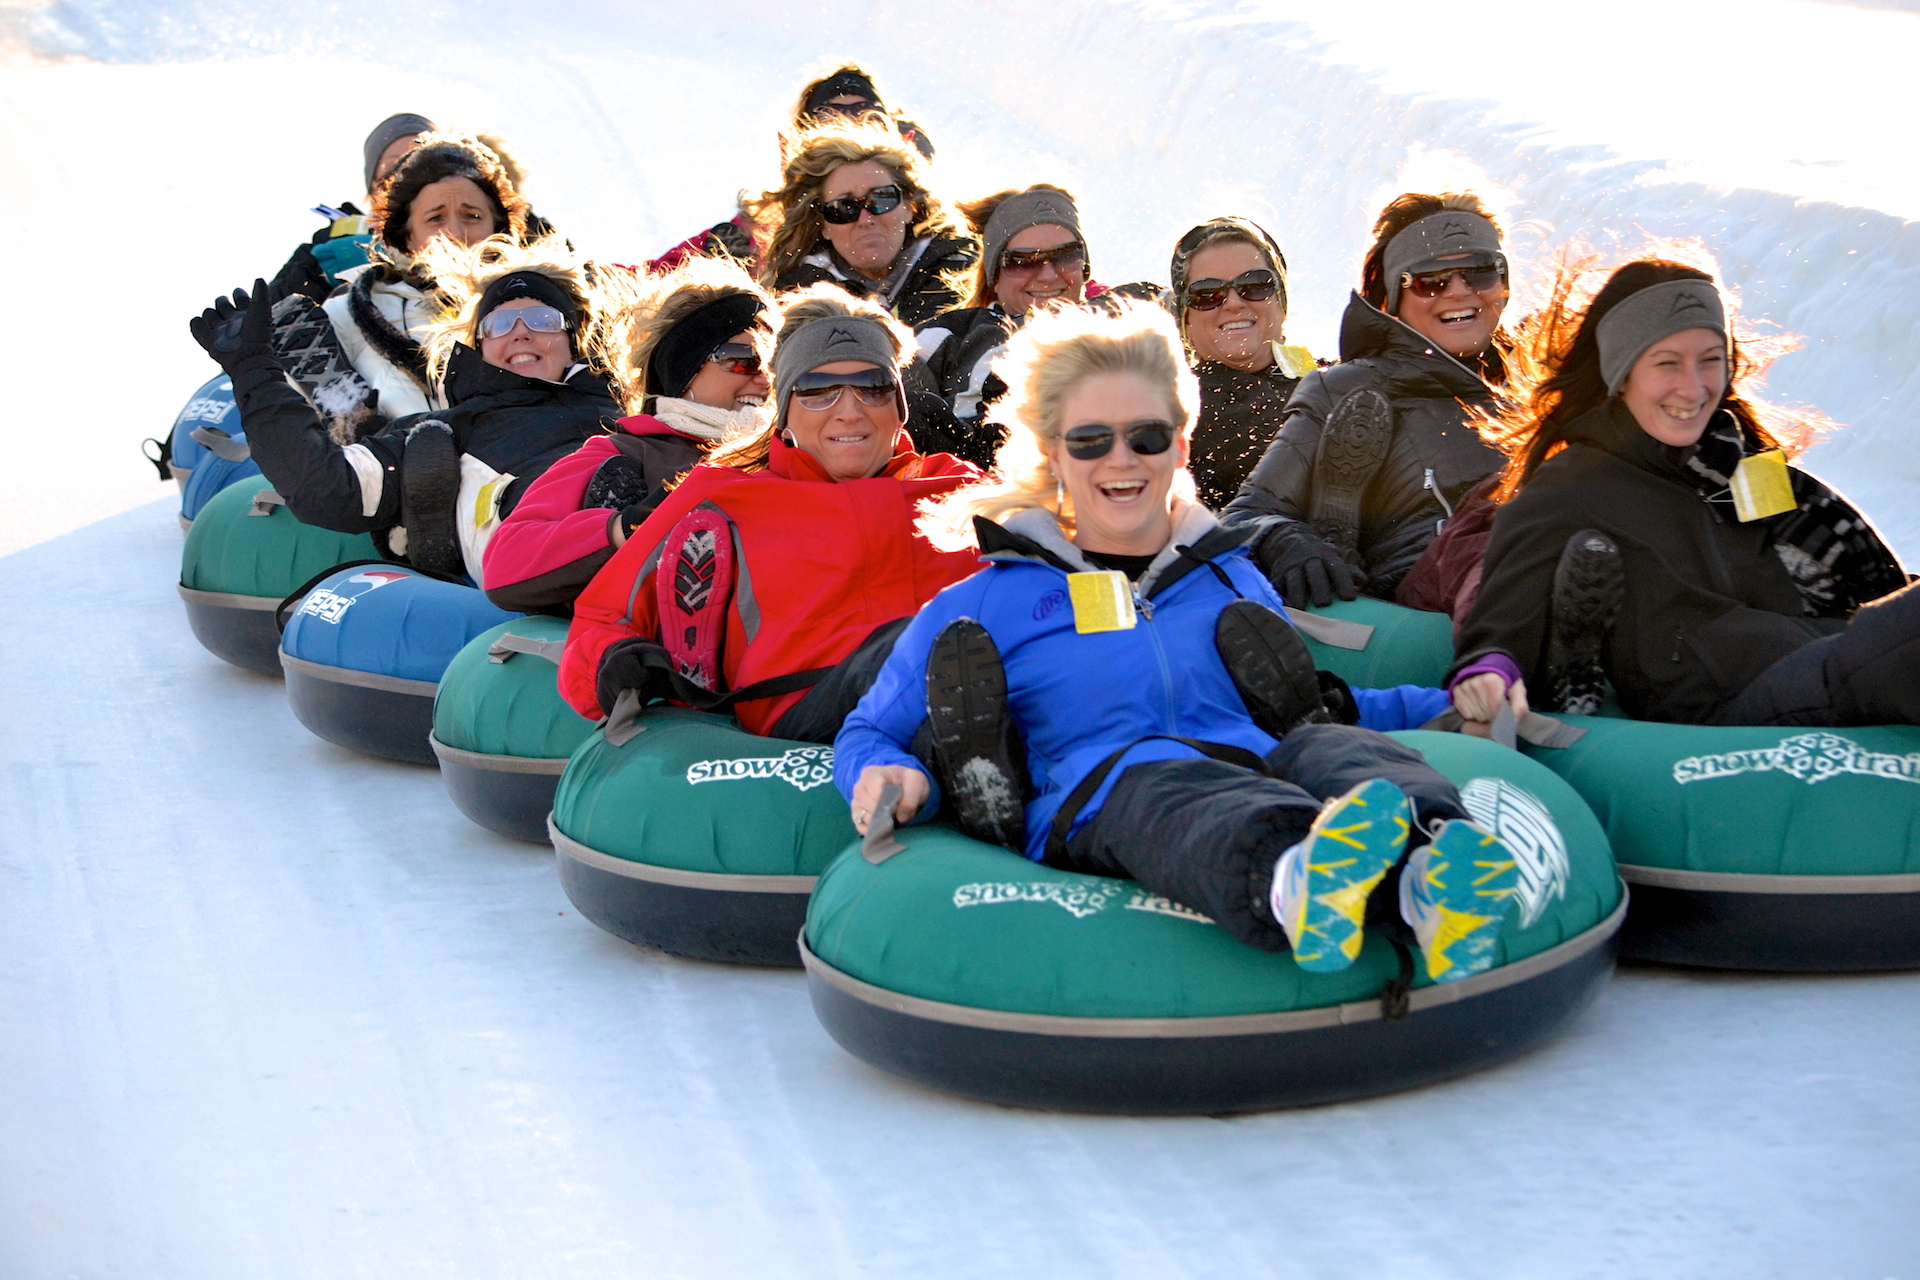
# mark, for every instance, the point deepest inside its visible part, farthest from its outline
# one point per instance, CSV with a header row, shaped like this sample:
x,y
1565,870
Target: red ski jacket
x,y
823,565
544,553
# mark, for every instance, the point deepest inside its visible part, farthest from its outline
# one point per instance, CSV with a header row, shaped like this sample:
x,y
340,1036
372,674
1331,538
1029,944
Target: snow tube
x,y
1406,646
698,838
209,406
228,461
968,968
1785,849
364,651
244,555
501,729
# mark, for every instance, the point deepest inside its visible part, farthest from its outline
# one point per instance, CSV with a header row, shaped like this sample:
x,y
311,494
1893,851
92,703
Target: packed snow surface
x,y
269,1009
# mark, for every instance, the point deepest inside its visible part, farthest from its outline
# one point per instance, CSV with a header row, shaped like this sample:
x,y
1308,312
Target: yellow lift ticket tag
x,y
1762,487
351,225
1101,602
1295,362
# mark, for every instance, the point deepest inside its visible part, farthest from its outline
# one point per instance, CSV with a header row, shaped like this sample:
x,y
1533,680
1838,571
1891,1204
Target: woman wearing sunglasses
x,y
1230,292
689,366
854,210
1172,725
1376,452
520,359
773,579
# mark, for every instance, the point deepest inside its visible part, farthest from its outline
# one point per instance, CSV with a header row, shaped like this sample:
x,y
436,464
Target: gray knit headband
x,y
1656,312
1418,247
1020,211
826,340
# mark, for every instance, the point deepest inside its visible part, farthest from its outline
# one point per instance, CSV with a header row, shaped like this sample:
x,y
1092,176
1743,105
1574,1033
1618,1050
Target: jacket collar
x,y
470,377
1034,534
1612,429
792,463
1417,366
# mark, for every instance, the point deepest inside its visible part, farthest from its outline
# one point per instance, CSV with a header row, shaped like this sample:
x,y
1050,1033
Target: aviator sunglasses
x,y
1253,286
1092,440
539,318
1431,284
1066,258
736,357
873,387
847,209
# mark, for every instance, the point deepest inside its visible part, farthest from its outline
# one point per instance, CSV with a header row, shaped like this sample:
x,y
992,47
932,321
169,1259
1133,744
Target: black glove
x,y
302,274
634,663
1304,567
237,333
1336,695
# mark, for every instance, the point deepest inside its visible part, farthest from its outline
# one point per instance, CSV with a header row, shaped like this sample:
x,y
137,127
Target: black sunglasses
x,y
1067,258
847,208
736,357
1255,286
1431,284
1092,440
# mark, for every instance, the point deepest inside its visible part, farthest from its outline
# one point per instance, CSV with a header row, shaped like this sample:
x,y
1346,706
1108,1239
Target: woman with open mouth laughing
x,y
1376,452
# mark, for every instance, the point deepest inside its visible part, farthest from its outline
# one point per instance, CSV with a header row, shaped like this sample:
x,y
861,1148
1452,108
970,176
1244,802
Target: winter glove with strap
x,y
1304,567
302,274
238,333
633,663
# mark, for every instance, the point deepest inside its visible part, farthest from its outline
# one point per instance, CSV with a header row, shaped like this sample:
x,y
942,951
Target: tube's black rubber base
x,y
1210,1075
245,637
725,925
374,722
514,804
1774,932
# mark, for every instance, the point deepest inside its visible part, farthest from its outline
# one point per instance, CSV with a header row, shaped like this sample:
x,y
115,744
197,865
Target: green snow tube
x,y
1758,848
969,968
246,553
698,838
501,729
1406,646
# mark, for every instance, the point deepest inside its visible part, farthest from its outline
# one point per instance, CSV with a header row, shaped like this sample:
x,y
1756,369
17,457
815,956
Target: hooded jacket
x,y
503,431
818,566
379,319
552,544
1078,699
1709,604
915,292
1435,456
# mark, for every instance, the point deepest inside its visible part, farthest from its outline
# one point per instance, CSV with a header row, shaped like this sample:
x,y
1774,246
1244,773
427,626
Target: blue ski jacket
x,y
1078,698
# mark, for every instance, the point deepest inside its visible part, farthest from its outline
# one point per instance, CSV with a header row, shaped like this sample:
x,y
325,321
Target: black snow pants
x,y
1207,834
818,716
1866,674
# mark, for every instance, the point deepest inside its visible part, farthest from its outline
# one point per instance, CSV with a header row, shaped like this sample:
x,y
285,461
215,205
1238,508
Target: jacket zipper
x,y
1144,608
1445,506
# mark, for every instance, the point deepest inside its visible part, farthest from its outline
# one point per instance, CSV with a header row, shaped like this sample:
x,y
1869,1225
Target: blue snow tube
x,y
227,460
365,647
209,420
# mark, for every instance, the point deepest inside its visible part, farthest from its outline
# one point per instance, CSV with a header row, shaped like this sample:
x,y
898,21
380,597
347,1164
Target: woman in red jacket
x,y
775,578
690,354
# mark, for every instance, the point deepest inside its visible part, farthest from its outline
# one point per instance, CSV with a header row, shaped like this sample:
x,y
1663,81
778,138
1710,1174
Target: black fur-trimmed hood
x,y
389,343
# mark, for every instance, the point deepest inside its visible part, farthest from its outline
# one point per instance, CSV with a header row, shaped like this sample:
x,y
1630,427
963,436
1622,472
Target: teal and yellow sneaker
x,y
1455,894
1321,885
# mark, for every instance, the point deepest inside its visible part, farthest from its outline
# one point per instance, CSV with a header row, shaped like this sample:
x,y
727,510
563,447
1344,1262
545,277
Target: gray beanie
x,y
1034,207
388,132
1418,246
1644,318
828,340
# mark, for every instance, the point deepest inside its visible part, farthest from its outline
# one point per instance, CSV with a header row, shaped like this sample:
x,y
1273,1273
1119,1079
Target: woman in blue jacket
x,y
1117,693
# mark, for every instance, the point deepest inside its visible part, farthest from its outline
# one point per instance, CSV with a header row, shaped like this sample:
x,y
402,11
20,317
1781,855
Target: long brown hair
x,y
1554,375
978,213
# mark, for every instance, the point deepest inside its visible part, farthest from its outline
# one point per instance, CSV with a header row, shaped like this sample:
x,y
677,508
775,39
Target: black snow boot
x,y
1588,587
429,494
1352,447
1271,667
977,750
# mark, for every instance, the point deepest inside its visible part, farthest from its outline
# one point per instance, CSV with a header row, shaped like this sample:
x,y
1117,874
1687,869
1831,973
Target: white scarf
x,y
704,422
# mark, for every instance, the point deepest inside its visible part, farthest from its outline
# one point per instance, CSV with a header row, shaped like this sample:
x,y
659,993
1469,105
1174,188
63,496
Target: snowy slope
x,y
641,122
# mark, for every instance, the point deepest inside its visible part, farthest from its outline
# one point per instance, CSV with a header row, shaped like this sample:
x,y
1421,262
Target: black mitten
x,y
634,663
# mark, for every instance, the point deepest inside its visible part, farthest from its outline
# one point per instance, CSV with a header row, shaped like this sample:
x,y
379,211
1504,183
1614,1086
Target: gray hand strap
x,y
220,444
1541,731
1331,631
880,844
264,502
509,644
623,725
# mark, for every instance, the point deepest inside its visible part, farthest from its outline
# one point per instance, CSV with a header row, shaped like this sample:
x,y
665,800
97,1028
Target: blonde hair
x,y
663,302
796,309
787,217
462,273
1052,355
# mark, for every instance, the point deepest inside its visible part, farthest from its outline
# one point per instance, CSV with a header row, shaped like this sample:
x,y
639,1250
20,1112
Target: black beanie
x,y
529,284
676,360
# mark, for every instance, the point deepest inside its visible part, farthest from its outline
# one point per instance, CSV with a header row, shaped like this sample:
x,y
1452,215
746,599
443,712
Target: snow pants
x,y
1866,674
1207,834
818,716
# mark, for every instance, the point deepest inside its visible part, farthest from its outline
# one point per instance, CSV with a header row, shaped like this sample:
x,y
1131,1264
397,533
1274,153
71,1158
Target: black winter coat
x,y
1240,414
1434,459
1709,604
921,292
